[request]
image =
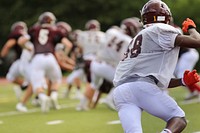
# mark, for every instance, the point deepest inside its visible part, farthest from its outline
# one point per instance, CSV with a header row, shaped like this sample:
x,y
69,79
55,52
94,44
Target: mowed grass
x,y
68,120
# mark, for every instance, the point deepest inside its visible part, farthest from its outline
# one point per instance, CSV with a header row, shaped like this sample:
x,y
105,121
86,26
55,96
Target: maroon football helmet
x,y
155,11
47,18
19,26
131,26
74,34
92,25
65,27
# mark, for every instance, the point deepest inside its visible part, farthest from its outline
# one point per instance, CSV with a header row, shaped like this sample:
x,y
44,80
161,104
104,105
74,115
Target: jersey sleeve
x,y
167,36
14,35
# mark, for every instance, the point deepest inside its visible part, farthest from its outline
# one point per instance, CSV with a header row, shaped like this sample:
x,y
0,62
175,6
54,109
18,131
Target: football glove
x,y
188,24
190,78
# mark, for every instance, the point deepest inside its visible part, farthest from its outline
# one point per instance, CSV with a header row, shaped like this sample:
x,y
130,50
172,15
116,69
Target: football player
x,y
70,60
17,73
129,26
108,56
44,66
61,52
77,75
89,41
147,69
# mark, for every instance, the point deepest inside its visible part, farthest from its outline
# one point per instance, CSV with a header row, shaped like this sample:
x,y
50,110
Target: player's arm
x,y
69,60
189,78
175,83
66,66
63,64
23,40
191,41
6,48
68,45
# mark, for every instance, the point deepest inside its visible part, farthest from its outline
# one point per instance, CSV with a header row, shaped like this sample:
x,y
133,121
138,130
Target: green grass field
x,y
68,120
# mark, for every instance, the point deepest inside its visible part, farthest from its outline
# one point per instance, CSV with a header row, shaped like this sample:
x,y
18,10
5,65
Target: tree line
x,y
77,12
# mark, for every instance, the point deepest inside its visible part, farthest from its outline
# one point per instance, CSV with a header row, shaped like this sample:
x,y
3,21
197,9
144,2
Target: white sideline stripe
x,y
11,113
54,122
1,122
113,122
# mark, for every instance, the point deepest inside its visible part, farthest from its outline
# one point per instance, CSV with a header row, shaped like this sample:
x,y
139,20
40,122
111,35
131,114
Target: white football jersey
x,y
90,42
116,44
151,52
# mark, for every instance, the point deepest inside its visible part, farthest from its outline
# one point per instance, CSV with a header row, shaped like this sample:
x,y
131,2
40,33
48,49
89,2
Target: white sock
x,y
84,101
42,96
54,95
166,131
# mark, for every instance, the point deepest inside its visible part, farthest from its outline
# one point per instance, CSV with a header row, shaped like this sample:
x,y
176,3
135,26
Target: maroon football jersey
x,y
15,35
44,38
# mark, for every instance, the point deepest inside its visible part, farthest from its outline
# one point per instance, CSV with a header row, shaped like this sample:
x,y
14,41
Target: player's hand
x,y
190,77
188,24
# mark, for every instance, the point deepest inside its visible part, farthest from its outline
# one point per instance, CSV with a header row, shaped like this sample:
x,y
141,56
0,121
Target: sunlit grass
x,y
93,121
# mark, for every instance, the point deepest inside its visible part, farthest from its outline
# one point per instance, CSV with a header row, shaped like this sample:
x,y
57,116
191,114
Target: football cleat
x,y
21,108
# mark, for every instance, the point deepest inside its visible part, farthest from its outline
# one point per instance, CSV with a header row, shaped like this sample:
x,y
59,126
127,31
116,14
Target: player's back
x,y
113,49
90,42
44,38
152,52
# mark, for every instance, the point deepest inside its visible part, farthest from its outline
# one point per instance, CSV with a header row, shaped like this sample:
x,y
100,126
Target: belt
x,y
153,78
150,79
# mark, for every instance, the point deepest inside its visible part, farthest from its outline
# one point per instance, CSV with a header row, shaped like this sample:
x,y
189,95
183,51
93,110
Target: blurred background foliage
x,y
77,12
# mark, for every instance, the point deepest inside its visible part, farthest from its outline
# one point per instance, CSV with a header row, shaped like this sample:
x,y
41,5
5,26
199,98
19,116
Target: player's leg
x,y
89,91
21,106
54,94
38,80
39,88
128,110
74,77
86,99
102,76
77,82
109,99
54,74
103,69
14,76
131,123
95,98
164,106
105,88
175,125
